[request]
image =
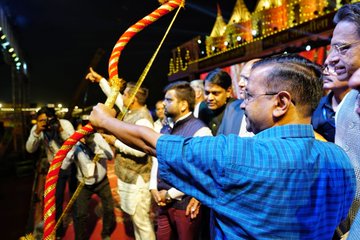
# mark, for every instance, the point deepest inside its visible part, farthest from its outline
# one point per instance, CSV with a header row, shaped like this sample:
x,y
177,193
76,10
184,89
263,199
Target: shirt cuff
x,y
175,194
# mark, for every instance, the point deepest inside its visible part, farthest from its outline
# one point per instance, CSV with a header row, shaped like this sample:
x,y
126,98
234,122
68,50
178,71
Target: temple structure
x,y
274,27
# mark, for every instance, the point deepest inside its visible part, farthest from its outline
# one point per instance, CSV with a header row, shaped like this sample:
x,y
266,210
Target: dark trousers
x,y
102,189
173,224
63,177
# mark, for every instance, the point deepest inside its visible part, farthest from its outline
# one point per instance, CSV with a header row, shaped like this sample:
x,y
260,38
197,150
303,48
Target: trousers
x,y
174,224
102,189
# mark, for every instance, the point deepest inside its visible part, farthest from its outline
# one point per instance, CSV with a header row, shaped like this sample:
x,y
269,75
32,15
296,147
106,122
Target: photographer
x,y
50,133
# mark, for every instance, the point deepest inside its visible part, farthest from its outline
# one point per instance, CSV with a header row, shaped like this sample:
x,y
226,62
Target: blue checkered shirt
x,y
280,184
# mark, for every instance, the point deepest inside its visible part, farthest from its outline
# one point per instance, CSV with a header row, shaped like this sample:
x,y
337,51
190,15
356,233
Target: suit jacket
x,y
232,118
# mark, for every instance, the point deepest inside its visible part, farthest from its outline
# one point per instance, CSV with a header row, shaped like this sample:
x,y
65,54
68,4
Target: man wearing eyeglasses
x,y
280,184
323,118
344,59
233,109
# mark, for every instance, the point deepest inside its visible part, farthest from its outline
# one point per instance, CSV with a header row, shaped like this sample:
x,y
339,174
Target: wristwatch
x,y
168,199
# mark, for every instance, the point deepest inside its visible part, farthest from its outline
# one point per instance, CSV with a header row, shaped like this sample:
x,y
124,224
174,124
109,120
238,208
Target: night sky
x,y
60,38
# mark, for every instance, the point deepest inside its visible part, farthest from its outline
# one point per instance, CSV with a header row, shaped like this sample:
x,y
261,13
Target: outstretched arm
x,y
138,137
104,85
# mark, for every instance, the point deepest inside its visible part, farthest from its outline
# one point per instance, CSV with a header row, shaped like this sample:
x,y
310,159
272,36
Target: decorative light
x,y
1,105
5,44
266,4
202,52
18,64
253,32
199,41
13,55
212,48
238,38
11,50
59,105
308,48
226,43
16,59
285,52
3,37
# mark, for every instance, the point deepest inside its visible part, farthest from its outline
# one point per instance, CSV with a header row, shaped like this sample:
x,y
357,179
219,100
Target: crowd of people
x,y
280,162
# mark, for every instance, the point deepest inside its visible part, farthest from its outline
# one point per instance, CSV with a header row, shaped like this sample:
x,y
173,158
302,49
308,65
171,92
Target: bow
x,y
50,224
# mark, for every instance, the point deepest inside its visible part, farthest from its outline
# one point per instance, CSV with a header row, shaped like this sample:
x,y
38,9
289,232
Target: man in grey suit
x,y
344,59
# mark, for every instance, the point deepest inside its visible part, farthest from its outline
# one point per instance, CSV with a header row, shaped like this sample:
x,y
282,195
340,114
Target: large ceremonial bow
x,y
50,224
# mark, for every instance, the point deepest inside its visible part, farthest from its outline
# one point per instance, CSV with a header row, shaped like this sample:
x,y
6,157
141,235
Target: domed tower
x,y
238,29
214,42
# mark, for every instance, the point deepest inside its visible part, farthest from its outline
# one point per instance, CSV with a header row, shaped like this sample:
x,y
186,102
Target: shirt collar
x,y
328,101
183,117
288,131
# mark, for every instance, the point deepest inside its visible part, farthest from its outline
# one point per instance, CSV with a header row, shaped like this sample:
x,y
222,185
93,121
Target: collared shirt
x,y
173,192
34,140
279,184
88,171
243,132
323,118
204,131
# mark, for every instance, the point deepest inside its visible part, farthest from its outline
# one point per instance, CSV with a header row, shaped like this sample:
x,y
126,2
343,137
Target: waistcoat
x,y
187,128
129,167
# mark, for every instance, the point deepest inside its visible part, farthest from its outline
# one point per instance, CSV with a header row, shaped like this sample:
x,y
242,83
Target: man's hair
x,y
49,112
219,77
349,13
52,128
141,94
184,92
197,84
296,75
159,101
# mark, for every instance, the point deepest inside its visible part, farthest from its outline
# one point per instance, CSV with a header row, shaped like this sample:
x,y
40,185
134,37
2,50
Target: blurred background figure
x,y
217,95
323,118
50,132
244,76
159,111
94,176
198,86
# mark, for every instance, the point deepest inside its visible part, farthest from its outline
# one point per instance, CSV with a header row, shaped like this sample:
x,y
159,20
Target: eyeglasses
x,y
328,70
341,48
250,97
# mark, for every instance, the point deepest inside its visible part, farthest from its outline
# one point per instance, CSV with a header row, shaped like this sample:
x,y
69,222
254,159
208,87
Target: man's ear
x,y
134,100
198,94
228,92
283,103
184,105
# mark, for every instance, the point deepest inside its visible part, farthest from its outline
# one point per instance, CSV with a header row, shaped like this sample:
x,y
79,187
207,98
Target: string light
x,y
265,21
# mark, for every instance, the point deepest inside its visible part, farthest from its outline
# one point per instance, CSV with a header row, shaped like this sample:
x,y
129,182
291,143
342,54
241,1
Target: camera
x,y
52,124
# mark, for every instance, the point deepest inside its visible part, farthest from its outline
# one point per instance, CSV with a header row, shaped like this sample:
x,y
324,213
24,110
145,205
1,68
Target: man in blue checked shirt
x,y
280,184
